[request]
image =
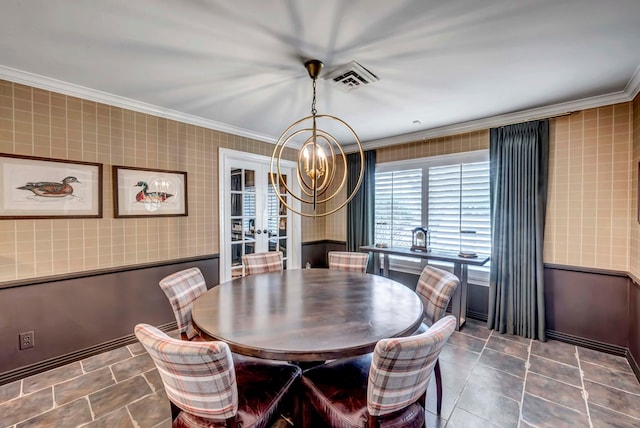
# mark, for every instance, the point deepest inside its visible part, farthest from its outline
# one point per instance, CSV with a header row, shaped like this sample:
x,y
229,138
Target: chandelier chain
x,y
313,103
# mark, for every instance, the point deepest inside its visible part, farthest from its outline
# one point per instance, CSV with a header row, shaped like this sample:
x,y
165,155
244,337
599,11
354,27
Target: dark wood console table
x,y
460,265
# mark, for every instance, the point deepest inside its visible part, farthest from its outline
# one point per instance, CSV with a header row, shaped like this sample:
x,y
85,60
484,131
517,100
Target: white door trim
x,y
225,158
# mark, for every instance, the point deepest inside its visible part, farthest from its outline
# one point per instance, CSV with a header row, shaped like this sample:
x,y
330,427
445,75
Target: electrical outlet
x,y
27,340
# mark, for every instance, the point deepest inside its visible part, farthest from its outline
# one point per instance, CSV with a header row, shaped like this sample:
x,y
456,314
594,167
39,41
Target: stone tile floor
x,y
489,380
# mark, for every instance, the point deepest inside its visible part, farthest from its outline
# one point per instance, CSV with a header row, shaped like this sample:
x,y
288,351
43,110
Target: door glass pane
x,y
250,227
277,219
249,205
283,192
236,180
236,204
243,217
236,229
236,255
250,180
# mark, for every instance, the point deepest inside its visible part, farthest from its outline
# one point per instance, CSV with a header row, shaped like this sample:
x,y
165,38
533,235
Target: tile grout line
x,y
53,407
582,389
86,397
527,364
93,415
585,394
466,381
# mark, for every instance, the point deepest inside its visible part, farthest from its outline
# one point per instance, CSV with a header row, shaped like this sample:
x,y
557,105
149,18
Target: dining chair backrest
x,y
348,261
435,288
182,289
199,377
262,262
401,368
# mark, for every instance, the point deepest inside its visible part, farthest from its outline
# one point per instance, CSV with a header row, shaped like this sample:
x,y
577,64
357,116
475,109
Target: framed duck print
x,y
39,188
143,192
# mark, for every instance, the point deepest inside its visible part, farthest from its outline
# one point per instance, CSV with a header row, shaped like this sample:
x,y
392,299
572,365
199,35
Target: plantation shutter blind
x,y
398,207
459,200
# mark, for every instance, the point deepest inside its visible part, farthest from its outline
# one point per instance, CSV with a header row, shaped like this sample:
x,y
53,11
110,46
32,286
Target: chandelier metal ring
x,y
320,157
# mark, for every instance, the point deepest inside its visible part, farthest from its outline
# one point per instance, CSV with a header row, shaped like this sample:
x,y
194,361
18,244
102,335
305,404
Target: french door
x,y
253,219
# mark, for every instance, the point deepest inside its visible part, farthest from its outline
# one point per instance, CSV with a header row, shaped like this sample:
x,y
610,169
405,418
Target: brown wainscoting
x,y
477,295
408,279
587,303
586,343
586,307
477,302
634,326
74,316
315,252
594,308
80,354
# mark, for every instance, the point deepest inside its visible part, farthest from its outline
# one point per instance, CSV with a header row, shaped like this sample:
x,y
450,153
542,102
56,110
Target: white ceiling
x,y
236,65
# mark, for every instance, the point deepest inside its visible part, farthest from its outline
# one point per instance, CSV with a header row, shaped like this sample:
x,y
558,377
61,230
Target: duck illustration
x,y
49,189
145,196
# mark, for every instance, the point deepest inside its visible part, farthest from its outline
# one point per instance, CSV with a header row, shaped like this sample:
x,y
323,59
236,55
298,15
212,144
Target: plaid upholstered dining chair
x,y
386,388
182,289
348,261
206,389
435,288
262,262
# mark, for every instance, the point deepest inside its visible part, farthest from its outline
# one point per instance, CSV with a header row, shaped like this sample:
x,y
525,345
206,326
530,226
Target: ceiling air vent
x,y
350,77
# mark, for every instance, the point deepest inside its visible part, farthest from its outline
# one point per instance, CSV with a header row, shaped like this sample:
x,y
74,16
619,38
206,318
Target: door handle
x,y
258,232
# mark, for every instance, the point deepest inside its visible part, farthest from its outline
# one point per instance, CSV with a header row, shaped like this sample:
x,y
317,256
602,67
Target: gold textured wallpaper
x,y
471,141
36,122
591,206
590,179
634,258
592,200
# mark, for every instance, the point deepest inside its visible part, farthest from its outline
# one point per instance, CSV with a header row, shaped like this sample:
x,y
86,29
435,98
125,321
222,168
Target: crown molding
x,y
70,89
629,93
633,87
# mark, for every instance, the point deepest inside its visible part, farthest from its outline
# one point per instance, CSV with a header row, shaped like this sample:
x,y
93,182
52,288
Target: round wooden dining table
x,y
307,315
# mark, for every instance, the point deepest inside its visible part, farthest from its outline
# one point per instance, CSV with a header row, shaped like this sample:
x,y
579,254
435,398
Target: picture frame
x,y
145,192
44,188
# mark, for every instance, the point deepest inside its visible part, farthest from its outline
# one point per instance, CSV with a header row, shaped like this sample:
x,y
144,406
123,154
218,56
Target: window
x,y
447,194
458,207
398,206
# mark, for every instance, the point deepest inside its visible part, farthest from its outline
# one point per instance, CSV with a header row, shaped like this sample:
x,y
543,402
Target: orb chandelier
x,y
322,169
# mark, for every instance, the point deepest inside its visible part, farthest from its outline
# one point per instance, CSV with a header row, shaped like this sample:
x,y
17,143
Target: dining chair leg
x,y
438,375
373,422
306,413
423,402
175,411
295,396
